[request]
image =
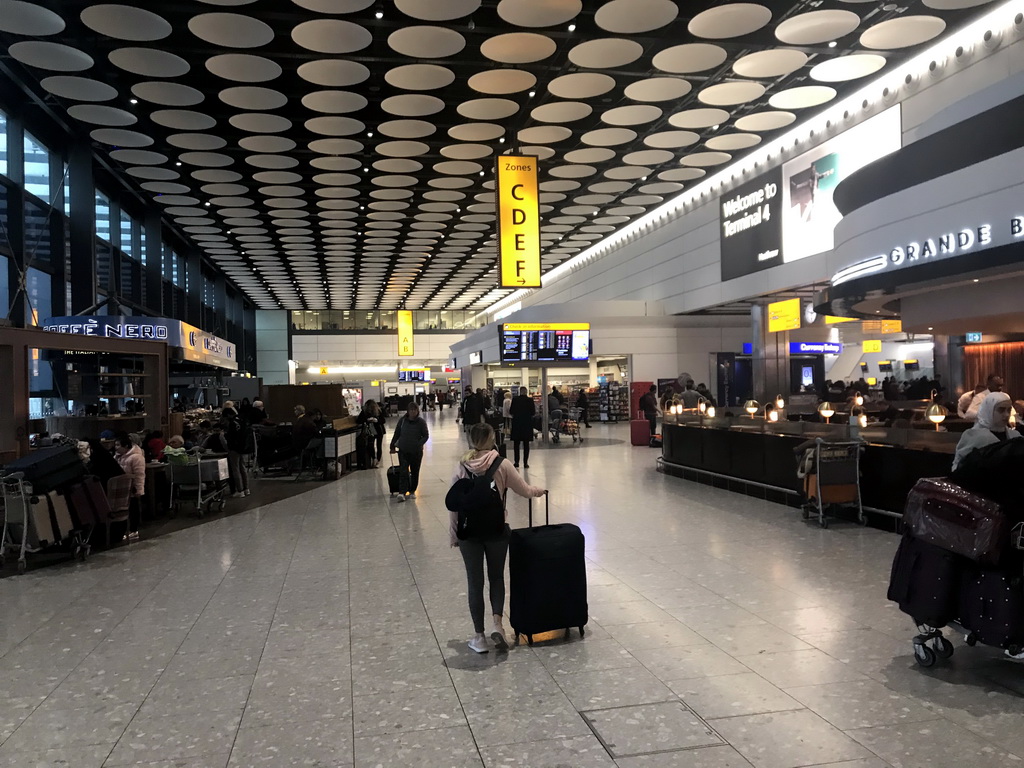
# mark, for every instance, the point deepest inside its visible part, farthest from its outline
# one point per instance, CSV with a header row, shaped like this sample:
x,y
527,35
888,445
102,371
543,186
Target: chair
x,y
312,459
119,497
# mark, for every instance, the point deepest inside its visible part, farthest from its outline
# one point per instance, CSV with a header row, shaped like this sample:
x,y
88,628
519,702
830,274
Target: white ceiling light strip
x,y
998,21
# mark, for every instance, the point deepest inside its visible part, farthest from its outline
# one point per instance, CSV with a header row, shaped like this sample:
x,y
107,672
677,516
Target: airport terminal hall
x,y
511,383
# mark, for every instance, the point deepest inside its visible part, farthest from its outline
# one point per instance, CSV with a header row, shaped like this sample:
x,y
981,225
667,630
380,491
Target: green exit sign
x,y
973,338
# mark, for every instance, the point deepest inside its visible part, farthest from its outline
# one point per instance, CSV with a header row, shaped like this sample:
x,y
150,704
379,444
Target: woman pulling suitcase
x,y
479,462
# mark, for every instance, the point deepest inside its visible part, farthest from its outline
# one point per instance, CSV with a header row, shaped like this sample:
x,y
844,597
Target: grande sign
x,y
518,222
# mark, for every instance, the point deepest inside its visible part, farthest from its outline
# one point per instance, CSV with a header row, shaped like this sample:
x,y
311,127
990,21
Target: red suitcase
x,y
640,432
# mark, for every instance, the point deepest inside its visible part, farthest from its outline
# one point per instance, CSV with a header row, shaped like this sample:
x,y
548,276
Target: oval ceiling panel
x,y
518,48
253,98
632,115
50,56
538,13
406,129
125,22
231,30
730,20
817,27
608,137
437,10
488,109
628,17
196,141
260,122
699,118
657,89
561,112
582,85
765,121
334,102
91,113
802,97
769,64
607,53
331,36
502,81
149,62
29,19
847,68
412,105
671,139
334,73
78,88
426,42
903,32
691,57
728,94
730,142
544,134
476,131
118,137
420,77
167,94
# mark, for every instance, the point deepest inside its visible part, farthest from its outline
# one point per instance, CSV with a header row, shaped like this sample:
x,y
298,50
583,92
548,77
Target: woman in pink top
x,y
495,550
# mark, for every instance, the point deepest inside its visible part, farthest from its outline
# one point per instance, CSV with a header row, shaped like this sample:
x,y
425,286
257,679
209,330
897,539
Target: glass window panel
x,y
127,235
142,245
102,217
387,320
3,145
103,261
37,286
37,168
5,223
65,192
5,290
38,240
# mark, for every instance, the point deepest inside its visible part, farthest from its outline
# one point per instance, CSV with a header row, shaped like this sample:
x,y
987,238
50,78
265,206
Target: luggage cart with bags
x,y
18,535
831,478
959,565
202,482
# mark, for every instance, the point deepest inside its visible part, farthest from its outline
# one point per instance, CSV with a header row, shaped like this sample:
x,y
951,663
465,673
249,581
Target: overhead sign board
x,y
871,346
973,338
518,222
832,320
547,326
751,234
784,316
892,326
815,348
544,342
405,341
191,343
475,358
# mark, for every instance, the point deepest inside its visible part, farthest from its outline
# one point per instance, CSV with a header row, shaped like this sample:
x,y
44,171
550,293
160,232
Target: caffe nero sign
x,y
752,226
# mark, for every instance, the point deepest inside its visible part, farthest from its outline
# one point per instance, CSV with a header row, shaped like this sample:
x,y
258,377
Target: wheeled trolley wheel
x,y
823,522
22,565
971,639
942,647
925,656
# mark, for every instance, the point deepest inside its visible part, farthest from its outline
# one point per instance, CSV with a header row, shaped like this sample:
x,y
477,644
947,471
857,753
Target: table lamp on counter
x,y
826,411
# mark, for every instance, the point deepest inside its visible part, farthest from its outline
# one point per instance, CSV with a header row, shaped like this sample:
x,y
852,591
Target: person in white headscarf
x,y
992,426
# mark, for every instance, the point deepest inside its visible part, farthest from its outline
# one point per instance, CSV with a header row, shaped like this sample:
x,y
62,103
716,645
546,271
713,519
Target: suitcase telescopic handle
x,y
547,510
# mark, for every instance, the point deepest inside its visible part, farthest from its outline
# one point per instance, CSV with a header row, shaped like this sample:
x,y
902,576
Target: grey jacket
x,y
410,435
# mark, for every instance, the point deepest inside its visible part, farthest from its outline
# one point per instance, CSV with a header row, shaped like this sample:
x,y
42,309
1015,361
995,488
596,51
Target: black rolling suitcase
x,y
548,575
49,468
927,581
392,474
992,609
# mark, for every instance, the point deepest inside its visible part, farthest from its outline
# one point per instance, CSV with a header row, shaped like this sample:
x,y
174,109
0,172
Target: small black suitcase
x,y
49,468
927,581
392,474
548,578
992,608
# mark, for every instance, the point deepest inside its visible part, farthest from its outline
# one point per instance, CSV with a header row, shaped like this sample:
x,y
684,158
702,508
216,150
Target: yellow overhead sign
x,y
871,346
892,326
518,222
784,316
323,370
547,326
405,345
832,320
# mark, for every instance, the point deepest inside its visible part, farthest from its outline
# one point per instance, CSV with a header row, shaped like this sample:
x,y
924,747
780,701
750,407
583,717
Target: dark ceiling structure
x,y
339,154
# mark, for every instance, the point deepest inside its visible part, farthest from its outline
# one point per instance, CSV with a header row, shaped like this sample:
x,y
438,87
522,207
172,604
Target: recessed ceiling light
x,y
975,279
133,101
572,27
532,94
832,44
380,14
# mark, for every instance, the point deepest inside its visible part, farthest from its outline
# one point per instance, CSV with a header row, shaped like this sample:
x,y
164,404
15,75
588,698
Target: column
x,y
544,437
770,358
194,294
154,276
17,309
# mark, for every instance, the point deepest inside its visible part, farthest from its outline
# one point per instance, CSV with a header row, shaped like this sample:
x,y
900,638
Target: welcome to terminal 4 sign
x,y
518,222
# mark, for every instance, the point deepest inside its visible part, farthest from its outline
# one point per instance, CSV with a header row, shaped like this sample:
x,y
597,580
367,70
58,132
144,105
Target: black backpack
x,y
480,507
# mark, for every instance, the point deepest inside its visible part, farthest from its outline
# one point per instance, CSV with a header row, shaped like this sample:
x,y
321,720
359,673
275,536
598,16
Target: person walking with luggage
x,y
521,412
480,461
411,434
240,440
649,408
372,437
472,411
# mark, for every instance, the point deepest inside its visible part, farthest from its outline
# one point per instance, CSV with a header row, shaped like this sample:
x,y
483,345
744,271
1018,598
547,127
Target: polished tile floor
x,y
329,629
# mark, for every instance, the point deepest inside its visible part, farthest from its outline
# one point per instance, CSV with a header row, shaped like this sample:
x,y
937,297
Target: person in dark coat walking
x,y
584,405
411,434
522,412
472,411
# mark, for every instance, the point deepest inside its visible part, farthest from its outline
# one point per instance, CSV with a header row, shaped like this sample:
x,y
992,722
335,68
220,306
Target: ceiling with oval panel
x,y
341,153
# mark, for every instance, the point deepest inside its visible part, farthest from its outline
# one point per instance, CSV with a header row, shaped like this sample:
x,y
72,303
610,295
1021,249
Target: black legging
x,y
526,450
474,553
409,470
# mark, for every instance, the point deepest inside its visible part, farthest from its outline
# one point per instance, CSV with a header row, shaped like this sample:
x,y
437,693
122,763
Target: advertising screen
x,y
808,213
413,375
544,342
752,226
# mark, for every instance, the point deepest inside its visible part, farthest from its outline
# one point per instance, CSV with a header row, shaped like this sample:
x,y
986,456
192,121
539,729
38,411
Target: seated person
x,y
992,426
216,442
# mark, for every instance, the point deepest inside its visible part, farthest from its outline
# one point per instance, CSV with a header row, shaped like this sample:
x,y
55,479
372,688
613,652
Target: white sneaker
x,y
478,643
1015,656
238,495
412,494
500,641
246,491
401,498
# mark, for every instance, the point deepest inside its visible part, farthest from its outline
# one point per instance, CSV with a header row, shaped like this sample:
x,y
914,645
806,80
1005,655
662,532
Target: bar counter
x,y
759,456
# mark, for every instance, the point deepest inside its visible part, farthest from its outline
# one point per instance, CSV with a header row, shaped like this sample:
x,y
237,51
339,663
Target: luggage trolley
x,y
835,480
17,496
201,482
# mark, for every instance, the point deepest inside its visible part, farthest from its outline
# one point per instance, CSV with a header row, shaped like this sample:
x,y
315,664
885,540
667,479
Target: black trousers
x,y
526,450
652,418
409,470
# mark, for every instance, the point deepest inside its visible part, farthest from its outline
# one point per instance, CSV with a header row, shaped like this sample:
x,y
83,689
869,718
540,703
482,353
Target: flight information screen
x,y
544,342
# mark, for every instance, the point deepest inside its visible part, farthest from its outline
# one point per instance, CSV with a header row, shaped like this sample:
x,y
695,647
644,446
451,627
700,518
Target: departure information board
x,y
544,342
